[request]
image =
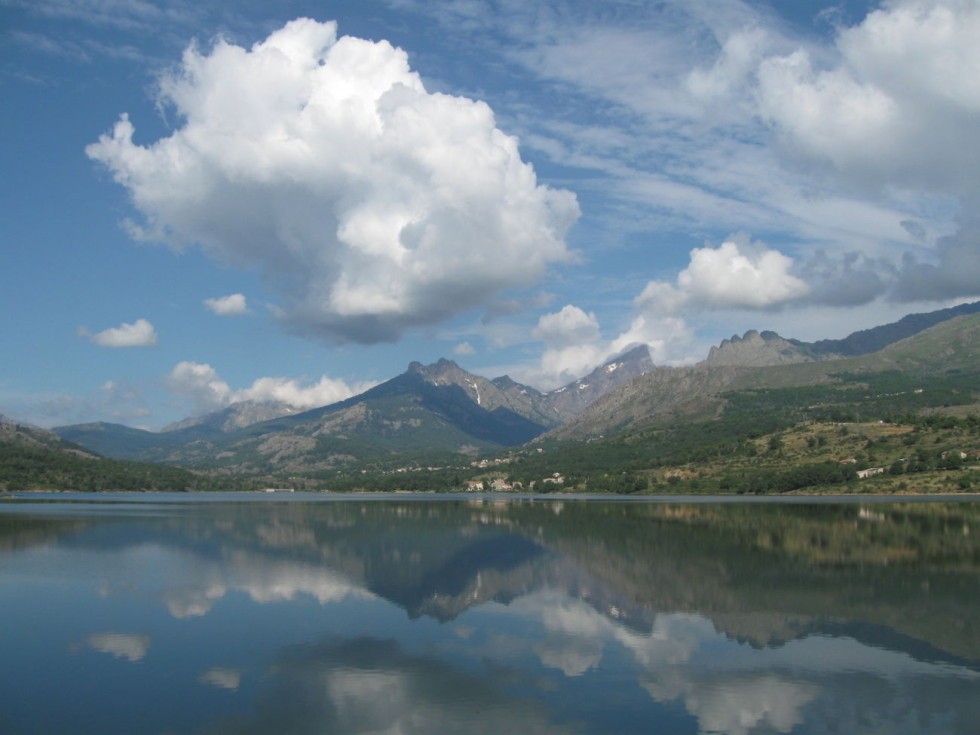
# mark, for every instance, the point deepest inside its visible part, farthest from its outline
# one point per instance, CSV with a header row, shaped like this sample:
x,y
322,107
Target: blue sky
x,y
211,202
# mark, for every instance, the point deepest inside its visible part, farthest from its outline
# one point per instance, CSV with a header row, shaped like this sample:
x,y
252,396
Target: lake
x,y
423,614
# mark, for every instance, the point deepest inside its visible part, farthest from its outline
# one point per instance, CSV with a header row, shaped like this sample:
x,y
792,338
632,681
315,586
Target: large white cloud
x,y
569,326
898,107
138,334
573,346
370,204
202,386
900,104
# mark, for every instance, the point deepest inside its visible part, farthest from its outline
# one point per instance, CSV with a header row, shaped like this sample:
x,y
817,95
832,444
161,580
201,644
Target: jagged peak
x,y
755,349
751,335
440,365
632,351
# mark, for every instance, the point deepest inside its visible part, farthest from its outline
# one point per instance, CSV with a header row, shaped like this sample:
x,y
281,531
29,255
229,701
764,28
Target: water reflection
x,y
129,646
370,685
222,678
488,616
205,581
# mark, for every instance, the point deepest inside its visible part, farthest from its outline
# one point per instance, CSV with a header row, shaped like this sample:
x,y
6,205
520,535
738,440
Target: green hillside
x,y
35,459
911,409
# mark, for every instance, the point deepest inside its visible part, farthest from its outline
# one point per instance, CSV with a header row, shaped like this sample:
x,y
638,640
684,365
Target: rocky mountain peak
x,y
570,400
443,372
756,349
634,354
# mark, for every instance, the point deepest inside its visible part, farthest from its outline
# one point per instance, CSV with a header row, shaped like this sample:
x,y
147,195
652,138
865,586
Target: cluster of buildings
x,y
499,484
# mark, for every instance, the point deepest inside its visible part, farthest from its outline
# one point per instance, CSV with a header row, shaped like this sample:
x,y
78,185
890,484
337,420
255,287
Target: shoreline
x,y
326,496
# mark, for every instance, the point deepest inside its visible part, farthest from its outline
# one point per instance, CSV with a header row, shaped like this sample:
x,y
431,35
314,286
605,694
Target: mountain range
x,y
430,413
667,395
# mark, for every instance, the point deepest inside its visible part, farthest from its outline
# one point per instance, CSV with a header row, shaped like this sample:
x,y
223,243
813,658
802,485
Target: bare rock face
x,y
488,394
756,349
236,416
571,400
664,395
548,409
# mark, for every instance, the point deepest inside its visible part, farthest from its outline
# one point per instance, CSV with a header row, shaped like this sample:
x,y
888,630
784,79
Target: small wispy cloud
x,y
138,334
129,646
232,305
221,678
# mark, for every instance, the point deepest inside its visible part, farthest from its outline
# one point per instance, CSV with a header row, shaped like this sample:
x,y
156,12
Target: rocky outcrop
x,y
757,349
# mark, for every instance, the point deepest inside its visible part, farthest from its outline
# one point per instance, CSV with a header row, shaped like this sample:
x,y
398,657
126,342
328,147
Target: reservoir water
x,y
304,614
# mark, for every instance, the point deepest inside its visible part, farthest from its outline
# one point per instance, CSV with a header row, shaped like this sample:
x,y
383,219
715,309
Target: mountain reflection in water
x,y
430,616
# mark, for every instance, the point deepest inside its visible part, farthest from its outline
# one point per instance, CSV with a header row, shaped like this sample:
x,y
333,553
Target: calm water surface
x,y
152,614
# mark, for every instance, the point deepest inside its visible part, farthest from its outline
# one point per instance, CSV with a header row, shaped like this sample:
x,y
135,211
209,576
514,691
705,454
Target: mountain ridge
x,y
441,409
759,349
450,408
696,393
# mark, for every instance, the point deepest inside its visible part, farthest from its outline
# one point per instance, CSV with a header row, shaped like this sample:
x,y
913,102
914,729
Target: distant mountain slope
x,y
36,459
759,349
109,439
236,416
25,435
950,346
429,409
871,340
668,394
420,412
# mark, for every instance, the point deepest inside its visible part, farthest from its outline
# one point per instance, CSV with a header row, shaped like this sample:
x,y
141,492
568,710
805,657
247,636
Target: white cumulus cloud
x,y
203,388
138,334
292,392
573,346
567,327
369,204
200,384
897,105
231,305
735,274
738,274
